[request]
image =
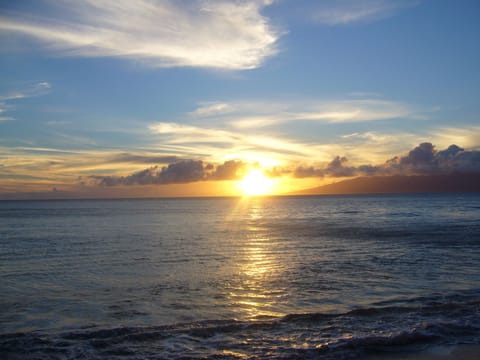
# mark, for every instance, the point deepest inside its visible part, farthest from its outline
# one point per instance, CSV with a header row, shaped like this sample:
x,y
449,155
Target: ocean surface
x,y
328,277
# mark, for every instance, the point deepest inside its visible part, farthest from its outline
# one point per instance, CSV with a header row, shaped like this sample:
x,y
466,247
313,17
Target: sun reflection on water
x,y
255,295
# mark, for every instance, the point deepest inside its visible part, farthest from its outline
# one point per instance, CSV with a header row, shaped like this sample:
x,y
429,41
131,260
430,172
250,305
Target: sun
x,y
255,183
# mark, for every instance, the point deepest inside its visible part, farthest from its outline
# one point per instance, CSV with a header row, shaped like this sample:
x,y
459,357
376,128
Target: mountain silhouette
x,y
400,184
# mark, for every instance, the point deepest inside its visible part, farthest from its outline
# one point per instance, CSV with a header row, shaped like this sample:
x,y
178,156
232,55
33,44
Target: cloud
x,y
225,130
4,118
77,159
256,114
36,89
180,172
468,136
195,140
210,34
180,133
342,12
362,110
229,170
424,159
212,109
335,168
421,160
142,158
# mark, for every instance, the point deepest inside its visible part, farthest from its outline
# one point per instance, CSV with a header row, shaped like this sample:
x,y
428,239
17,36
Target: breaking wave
x,y
406,325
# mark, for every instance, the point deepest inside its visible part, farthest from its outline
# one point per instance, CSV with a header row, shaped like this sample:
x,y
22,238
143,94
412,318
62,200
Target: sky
x,y
124,98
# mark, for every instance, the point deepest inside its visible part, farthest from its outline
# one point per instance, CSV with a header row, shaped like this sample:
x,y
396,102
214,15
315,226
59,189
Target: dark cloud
x,y
423,154
336,168
180,172
184,171
310,171
422,160
451,151
466,161
229,170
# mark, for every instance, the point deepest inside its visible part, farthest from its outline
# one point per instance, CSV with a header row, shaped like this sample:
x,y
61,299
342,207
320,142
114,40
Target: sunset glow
x,y
256,184
231,89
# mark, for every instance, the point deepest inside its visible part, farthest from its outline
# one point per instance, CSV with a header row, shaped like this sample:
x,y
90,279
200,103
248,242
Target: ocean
x,y
327,277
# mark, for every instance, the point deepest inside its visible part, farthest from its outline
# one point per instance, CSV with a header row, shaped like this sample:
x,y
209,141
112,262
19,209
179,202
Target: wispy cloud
x,y
341,12
374,146
468,136
67,166
4,118
226,144
179,133
212,109
221,130
211,34
36,89
137,158
255,114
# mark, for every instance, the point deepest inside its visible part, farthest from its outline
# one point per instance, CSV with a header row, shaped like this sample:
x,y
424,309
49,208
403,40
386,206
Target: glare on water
x,y
254,296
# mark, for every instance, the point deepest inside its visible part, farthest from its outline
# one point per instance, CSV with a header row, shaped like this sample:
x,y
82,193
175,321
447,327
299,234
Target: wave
x,y
407,325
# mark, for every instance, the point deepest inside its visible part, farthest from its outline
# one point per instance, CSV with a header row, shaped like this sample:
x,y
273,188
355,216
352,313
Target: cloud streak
x,y
255,114
195,139
214,34
142,158
223,130
37,89
342,12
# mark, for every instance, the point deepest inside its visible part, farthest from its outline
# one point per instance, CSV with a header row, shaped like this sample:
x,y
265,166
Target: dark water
x,y
301,277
